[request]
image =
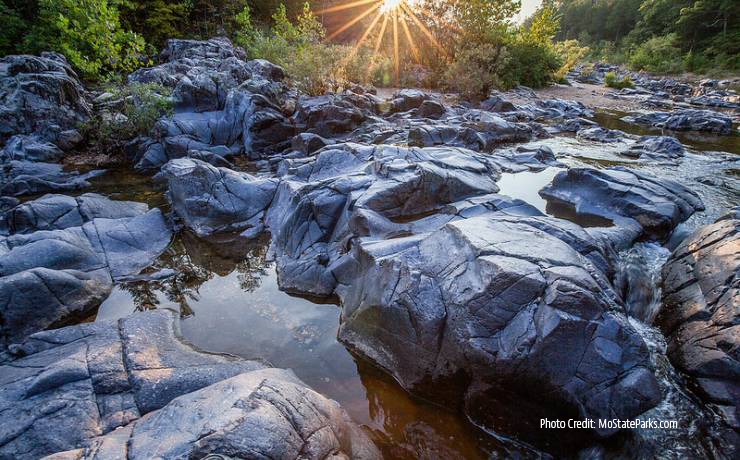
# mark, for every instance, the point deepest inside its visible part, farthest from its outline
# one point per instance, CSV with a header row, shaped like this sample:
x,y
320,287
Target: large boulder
x,y
40,95
625,196
700,315
62,388
350,190
30,148
332,115
56,212
50,277
408,99
213,200
502,301
265,413
685,120
656,148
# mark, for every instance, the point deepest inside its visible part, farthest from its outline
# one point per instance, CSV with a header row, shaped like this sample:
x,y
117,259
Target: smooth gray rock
x,y
408,99
600,135
30,148
213,200
265,413
320,198
475,130
700,314
619,194
51,277
55,212
331,115
40,95
62,388
656,148
18,178
685,120
522,303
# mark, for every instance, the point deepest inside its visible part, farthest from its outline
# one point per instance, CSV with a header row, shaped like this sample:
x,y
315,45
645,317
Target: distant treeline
x,y
658,35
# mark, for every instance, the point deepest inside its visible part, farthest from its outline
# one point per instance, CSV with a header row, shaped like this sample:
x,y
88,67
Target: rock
x,y
328,115
525,158
55,212
308,143
601,135
30,148
475,130
52,276
265,413
685,120
497,104
700,314
499,300
656,147
36,299
40,96
574,125
62,388
619,194
213,200
558,108
224,105
320,199
431,109
18,178
408,99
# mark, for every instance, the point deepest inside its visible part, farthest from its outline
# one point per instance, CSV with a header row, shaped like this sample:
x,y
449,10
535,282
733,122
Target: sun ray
x,y
353,22
368,31
423,28
409,38
382,33
344,6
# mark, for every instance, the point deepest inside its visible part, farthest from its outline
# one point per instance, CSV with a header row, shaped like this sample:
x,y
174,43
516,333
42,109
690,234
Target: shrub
x,y
659,54
530,64
140,106
612,81
89,34
570,52
474,72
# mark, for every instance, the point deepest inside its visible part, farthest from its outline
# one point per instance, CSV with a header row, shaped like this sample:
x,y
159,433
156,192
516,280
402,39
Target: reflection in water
x,y
526,186
230,302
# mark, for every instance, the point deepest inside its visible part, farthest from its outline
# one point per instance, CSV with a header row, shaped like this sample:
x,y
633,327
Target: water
x,y
526,186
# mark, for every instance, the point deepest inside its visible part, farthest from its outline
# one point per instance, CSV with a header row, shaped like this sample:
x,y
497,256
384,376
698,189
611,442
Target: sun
x,y
388,14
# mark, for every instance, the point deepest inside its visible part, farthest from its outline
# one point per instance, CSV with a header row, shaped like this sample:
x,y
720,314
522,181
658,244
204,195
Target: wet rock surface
x,y
686,120
700,316
260,414
63,388
625,196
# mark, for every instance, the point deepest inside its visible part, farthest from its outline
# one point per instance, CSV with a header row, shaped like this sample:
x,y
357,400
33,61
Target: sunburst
x,y
395,12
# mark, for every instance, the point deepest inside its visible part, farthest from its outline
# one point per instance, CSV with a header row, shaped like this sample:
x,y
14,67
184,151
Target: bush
x,y
474,72
89,34
530,64
140,106
315,68
570,53
659,54
612,81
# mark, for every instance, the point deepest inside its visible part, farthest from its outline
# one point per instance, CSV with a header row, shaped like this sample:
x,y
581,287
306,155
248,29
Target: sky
x,y
528,7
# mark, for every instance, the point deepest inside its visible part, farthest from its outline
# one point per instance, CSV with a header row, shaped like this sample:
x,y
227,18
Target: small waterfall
x,y
638,279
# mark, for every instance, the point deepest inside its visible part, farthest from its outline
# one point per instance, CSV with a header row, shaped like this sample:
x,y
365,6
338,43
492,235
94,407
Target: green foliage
x,y
13,27
474,72
659,54
155,20
89,34
571,52
612,81
141,105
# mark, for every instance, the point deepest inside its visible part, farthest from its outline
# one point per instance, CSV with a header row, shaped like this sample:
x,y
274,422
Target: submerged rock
x,y
625,196
62,388
213,200
265,413
18,178
700,315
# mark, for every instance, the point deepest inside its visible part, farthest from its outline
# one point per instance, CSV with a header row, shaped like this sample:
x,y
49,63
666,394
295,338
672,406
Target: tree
x,y
89,34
